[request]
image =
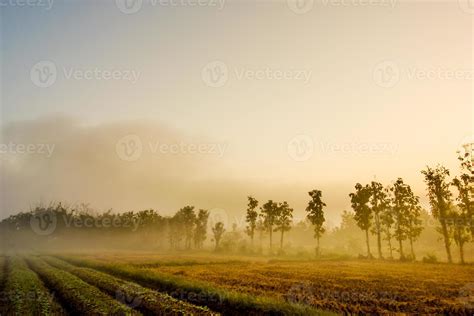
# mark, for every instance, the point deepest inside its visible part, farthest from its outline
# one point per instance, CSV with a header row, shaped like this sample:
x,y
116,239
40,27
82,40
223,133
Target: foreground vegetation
x,y
80,296
25,293
350,286
136,296
229,302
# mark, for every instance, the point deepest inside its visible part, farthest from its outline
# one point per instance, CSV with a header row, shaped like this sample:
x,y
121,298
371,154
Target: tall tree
x,y
378,203
440,200
283,220
269,213
316,215
218,230
387,221
200,231
251,218
363,213
260,228
400,200
465,186
460,230
188,218
414,223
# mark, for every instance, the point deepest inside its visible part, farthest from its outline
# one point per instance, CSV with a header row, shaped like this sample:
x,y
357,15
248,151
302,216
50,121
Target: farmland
x,y
135,283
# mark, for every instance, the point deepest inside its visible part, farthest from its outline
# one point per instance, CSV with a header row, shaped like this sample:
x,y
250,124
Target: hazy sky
x,y
158,104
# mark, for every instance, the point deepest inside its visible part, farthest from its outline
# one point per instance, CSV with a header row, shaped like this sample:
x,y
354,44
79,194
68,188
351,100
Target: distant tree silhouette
x,y
251,218
440,200
387,221
414,223
378,203
269,213
201,228
363,213
463,214
283,220
218,230
188,218
400,200
316,215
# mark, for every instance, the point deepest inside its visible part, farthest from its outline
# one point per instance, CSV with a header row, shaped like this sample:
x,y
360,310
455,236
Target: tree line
x,y
390,213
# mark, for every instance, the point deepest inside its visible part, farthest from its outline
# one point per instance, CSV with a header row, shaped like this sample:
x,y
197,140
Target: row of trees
x,y
390,213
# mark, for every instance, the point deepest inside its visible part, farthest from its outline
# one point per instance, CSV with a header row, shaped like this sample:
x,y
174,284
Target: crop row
x,y
25,293
136,296
225,301
81,297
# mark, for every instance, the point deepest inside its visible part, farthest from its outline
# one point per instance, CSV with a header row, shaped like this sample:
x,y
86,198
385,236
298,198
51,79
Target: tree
x,y
378,202
283,220
387,221
251,217
463,215
269,213
465,187
188,219
460,231
363,213
400,206
218,230
414,223
201,228
260,228
440,200
316,215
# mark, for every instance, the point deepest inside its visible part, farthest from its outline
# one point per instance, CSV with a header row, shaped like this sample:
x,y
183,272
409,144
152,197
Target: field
x,y
209,284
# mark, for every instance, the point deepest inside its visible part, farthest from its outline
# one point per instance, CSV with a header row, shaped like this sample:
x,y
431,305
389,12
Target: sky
x,y
129,104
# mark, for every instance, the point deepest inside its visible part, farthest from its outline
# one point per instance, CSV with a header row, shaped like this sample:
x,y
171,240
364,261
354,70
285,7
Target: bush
x,y
430,258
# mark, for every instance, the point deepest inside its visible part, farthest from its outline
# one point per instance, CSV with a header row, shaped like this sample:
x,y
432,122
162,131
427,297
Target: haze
x,y
292,80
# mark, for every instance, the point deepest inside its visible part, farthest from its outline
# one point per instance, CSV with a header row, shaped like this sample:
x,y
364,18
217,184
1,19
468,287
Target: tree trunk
x,y
251,237
281,239
402,256
390,245
271,237
446,240
461,252
317,246
379,240
369,255
412,251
